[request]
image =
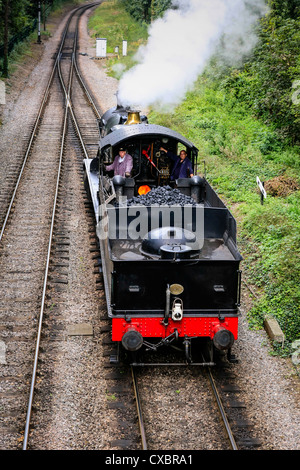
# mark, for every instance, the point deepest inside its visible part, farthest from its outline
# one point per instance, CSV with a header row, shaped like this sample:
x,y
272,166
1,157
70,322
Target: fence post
x,y
39,24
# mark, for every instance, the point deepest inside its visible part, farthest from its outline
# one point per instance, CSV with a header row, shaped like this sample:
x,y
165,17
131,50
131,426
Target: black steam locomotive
x,y
168,246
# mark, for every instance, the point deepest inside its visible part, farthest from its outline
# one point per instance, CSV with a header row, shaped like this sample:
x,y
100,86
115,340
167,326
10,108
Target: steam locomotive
x,y
170,263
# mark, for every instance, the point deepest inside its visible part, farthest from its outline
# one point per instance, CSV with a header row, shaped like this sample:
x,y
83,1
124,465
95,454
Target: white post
x,y
124,48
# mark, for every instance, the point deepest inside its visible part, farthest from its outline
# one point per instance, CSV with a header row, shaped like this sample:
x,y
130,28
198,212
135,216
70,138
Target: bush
x,y
266,83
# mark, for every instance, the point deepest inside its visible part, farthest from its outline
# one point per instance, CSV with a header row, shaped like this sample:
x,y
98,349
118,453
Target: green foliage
x,y
158,7
140,10
18,16
236,148
112,21
285,8
266,83
21,19
274,231
146,10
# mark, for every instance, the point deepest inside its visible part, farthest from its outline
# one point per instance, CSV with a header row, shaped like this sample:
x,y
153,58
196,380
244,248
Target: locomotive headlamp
x,y
177,310
132,340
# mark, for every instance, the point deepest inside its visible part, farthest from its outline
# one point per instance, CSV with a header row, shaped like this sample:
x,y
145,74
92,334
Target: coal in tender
x,y
162,196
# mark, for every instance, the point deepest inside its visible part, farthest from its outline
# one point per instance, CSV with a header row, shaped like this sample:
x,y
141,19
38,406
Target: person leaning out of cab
x,y
182,164
122,164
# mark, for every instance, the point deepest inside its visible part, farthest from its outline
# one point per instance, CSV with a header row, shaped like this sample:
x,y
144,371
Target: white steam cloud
x,y
180,45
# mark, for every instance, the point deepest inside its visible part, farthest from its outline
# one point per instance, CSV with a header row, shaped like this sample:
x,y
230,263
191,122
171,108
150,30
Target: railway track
x,y
86,114
223,423
26,239
214,434
169,401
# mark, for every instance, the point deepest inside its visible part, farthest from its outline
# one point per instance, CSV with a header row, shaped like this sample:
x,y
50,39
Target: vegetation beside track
x,y
112,21
16,21
231,142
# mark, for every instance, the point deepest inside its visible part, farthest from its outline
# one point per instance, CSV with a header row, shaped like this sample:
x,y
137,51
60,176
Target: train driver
x,y
182,165
122,164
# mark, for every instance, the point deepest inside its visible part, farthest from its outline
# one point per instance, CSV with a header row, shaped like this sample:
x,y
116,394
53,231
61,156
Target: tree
x,y
139,9
285,8
14,17
267,82
146,10
158,7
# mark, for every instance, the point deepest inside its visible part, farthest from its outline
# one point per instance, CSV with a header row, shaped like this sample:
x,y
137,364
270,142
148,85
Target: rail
x,y
222,411
34,131
220,406
64,132
139,409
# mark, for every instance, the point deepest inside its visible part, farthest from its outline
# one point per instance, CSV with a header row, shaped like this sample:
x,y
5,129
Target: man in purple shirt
x,y
182,165
122,164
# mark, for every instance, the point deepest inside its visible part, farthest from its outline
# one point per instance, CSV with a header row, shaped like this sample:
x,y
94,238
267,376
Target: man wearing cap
x,y
122,164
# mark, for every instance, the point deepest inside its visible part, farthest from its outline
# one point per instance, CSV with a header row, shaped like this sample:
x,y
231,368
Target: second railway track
x,y
26,242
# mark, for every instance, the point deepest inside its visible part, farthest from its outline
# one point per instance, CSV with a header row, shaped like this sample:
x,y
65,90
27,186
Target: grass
x,y
111,21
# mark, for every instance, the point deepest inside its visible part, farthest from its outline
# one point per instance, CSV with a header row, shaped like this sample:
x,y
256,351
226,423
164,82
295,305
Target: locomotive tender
x,y
168,248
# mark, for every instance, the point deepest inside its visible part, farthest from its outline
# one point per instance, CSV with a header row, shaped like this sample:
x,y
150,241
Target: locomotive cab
x,y
152,166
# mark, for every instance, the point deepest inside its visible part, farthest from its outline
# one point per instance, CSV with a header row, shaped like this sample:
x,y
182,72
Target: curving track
x,y
27,231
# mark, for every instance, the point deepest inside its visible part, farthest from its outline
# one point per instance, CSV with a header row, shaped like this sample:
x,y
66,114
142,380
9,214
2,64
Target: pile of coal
x,y
162,196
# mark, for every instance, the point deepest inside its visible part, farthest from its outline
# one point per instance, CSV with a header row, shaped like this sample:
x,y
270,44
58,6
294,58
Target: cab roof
x,y
121,133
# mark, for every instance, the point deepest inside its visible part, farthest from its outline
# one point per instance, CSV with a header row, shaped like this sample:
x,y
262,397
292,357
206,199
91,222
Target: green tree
x,y
266,82
140,10
14,17
285,8
158,7
146,10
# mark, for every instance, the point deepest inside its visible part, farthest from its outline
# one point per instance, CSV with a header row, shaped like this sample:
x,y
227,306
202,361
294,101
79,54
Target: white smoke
x,y
180,45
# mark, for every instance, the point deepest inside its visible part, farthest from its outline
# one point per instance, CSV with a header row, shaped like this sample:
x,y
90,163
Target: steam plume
x,y
180,45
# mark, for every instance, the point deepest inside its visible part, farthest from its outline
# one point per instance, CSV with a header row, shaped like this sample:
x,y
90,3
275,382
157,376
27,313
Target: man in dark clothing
x,y
182,165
